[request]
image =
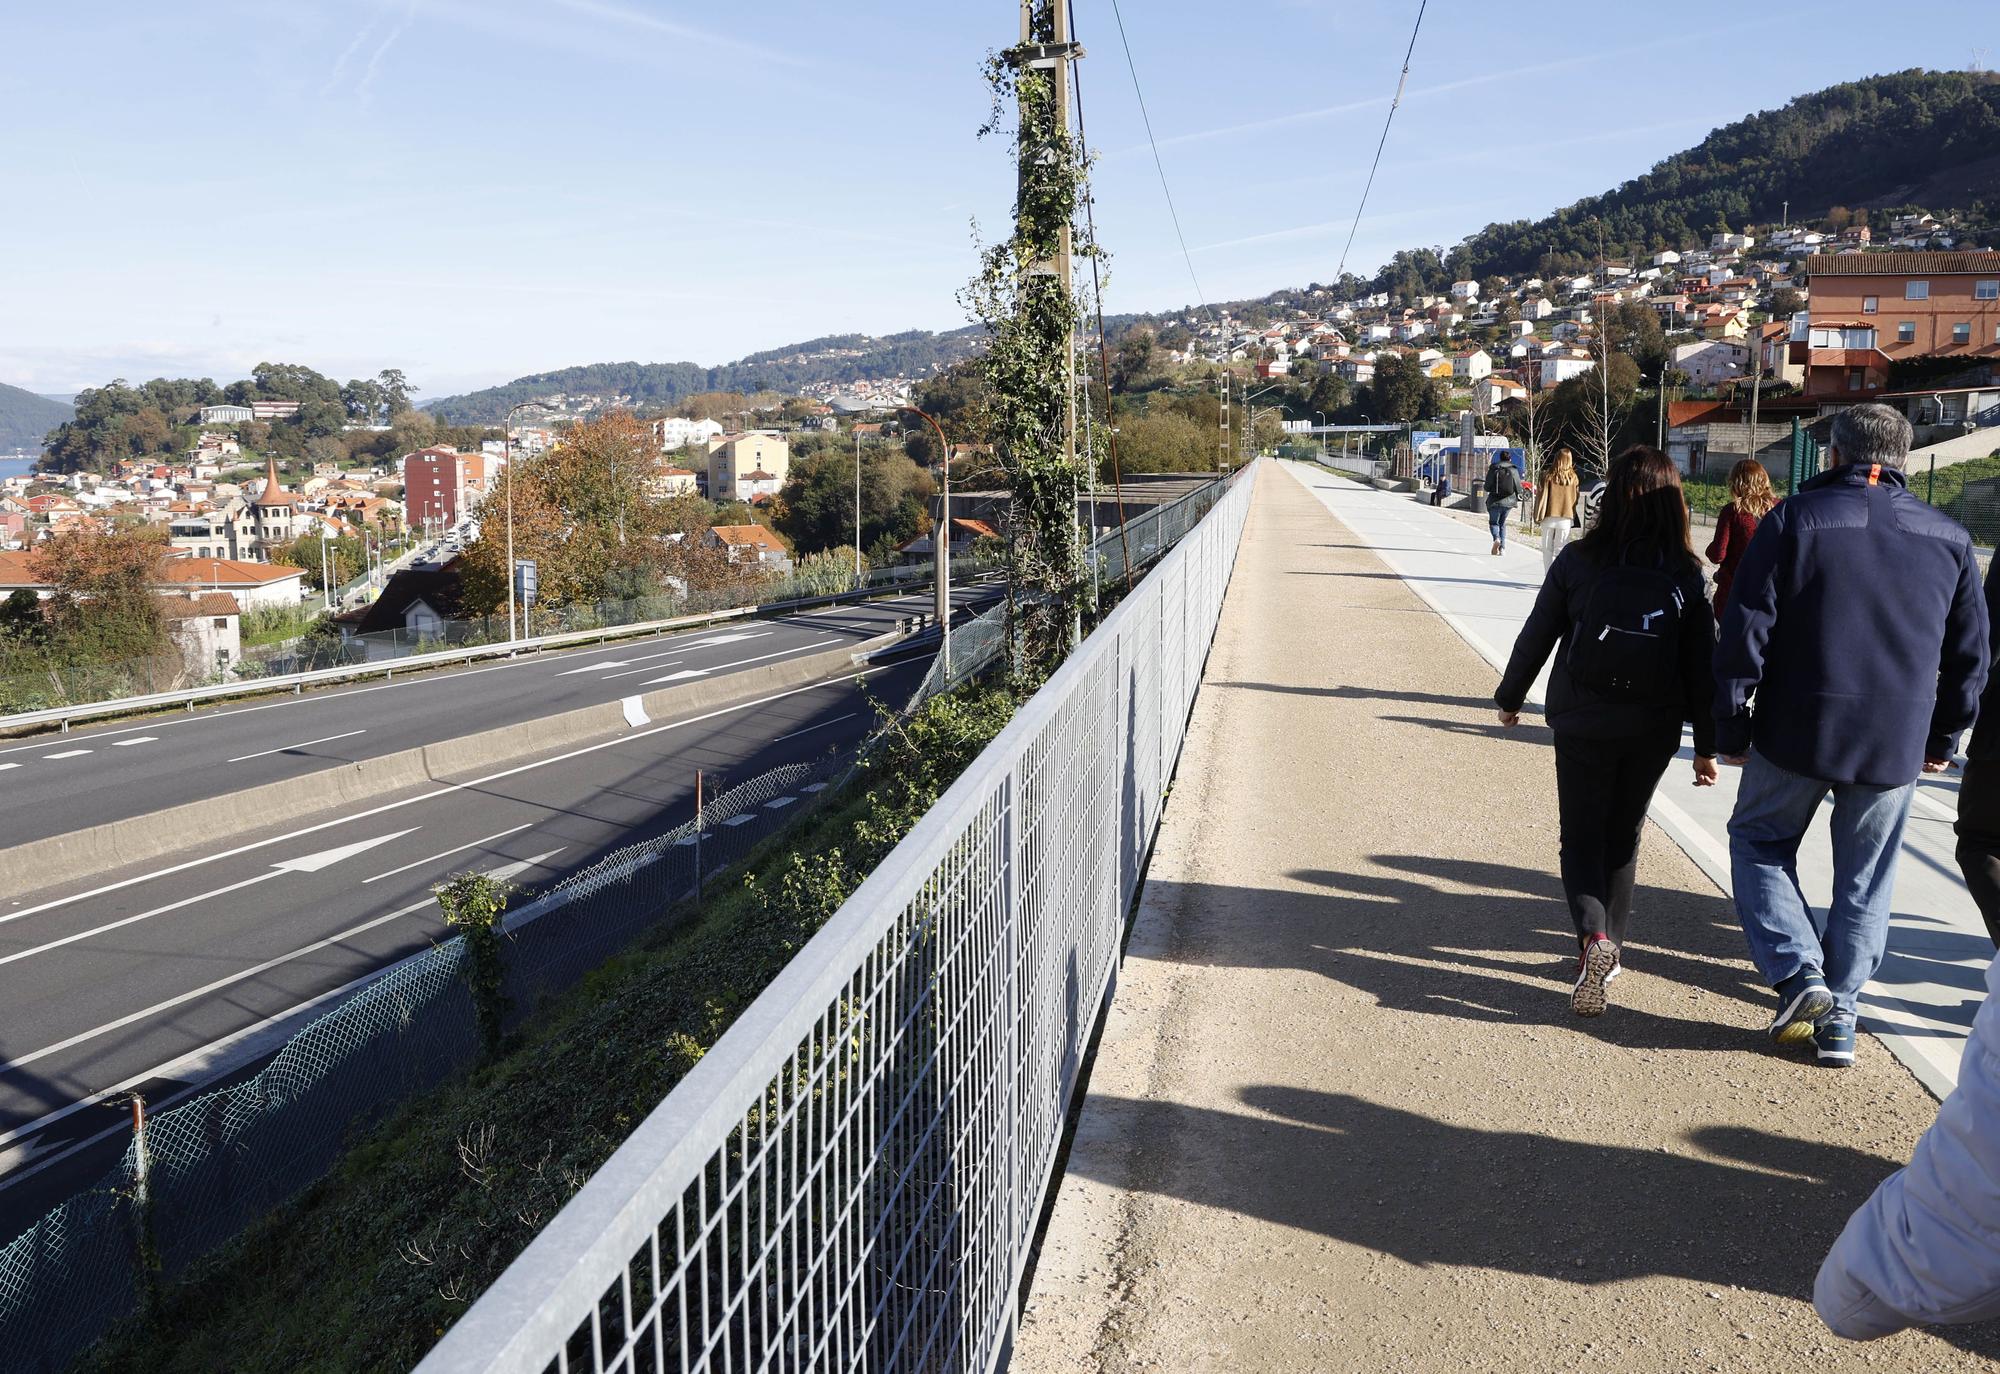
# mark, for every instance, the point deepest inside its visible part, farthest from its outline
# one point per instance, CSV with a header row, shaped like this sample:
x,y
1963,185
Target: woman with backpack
x,y
1623,611
1750,500
1503,489
1555,504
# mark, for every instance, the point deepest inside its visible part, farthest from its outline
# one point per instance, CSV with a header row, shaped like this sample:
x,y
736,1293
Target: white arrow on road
x,y
738,637
308,863
686,673
598,667
682,676
515,870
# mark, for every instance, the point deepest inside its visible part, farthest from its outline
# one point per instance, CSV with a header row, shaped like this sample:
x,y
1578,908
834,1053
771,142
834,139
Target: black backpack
x,y
1627,642
1506,482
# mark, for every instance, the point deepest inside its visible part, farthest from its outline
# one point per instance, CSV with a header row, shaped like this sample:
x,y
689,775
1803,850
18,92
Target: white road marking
x,y
635,712
128,743
744,819
302,744
514,870
443,790
821,726
458,849
779,803
598,667
67,754
814,787
311,863
717,641
5,766
634,672
724,667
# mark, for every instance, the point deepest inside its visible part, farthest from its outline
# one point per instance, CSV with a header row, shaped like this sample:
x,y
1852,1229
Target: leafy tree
x,y
1786,302
395,390
818,499
102,605
1402,390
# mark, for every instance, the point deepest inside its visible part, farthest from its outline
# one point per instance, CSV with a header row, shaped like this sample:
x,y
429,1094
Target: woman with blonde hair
x,y
1750,500
1555,504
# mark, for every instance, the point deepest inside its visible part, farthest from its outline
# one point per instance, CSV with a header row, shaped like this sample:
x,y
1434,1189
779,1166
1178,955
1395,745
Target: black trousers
x,y
1979,838
1603,787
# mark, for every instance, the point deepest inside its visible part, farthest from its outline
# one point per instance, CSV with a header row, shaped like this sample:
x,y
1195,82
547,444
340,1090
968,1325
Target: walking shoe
x,y
1496,548
1802,1001
1594,968
1833,1041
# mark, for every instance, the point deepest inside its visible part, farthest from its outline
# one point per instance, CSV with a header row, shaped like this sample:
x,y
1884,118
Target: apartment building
x,y
441,485
743,467
1920,305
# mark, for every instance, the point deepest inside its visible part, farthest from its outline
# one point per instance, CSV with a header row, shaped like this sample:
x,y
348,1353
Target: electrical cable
x,y
1103,350
1401,81
1158,165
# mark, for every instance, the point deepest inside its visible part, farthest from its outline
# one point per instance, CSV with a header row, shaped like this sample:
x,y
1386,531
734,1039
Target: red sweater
x,y
1733,528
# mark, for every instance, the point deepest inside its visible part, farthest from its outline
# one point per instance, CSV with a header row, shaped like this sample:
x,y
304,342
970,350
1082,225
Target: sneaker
x,y
1833,1041
1802,1001
1594,968
1496,548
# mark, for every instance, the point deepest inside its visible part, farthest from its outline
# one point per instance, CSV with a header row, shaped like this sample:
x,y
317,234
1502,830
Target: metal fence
x,y
850,1178
206,1169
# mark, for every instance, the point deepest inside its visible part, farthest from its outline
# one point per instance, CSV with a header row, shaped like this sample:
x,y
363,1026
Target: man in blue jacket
x,y
1856,627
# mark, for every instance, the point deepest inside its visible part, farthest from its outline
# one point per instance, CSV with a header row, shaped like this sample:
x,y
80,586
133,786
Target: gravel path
x,y
1341,1118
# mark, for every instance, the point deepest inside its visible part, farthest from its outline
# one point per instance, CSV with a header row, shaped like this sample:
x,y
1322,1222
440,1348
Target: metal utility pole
x,y
941,542
857,507
1756,386
1222,458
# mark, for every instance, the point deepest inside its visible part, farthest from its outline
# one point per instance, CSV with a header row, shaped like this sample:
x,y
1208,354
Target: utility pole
x,y
857,507
1222,456
1756,385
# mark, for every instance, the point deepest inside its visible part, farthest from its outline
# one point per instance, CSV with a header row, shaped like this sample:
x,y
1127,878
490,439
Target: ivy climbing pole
x,y
1025,298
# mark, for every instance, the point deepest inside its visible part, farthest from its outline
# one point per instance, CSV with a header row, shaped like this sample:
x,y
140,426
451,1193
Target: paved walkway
x,y
1341,1118
1930,985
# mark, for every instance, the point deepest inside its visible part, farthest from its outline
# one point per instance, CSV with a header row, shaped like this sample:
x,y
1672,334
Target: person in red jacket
x,y
1751,499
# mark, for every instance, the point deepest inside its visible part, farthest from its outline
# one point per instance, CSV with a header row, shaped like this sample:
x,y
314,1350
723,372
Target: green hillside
x,y
1910,137
837,359
26,417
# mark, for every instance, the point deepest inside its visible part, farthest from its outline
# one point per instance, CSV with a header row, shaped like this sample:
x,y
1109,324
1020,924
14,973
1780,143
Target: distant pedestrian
x,y
1856,629
1503,489
1750,500
1441,491
1624,603
1555,504
1979,791
1926,1247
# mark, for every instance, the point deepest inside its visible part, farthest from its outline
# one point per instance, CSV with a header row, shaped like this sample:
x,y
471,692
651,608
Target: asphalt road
x,y
54,784
107,981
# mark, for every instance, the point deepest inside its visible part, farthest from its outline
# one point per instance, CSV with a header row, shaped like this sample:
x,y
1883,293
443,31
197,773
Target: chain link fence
x,y
201,1172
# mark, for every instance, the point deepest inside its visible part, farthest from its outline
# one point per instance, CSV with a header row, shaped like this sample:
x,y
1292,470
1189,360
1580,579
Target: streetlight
x,y
1253,412
507,462
1321,417
940,543
857,506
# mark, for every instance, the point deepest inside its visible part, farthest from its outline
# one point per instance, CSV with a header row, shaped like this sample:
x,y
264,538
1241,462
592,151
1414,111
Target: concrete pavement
x,y
1923,1001
1341,1117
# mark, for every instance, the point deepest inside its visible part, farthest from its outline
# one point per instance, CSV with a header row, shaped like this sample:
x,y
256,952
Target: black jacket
x,y
1575,709
1985,741
1856,624
1492,484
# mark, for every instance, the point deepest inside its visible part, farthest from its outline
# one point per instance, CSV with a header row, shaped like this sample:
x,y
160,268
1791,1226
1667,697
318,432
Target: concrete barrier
x,y
137,839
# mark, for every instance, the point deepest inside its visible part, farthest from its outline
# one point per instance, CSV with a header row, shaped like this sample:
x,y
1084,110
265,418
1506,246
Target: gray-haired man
x,y
1857,626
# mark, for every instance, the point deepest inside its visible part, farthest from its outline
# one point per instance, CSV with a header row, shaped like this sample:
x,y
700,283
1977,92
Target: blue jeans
x,y
1496,520
1845,943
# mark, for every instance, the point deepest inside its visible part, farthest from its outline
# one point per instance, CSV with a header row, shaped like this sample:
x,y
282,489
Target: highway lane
x,y
107,981
54,784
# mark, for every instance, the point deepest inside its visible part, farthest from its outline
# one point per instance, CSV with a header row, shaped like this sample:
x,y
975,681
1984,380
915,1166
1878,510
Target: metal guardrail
x,y
851,1177
190,697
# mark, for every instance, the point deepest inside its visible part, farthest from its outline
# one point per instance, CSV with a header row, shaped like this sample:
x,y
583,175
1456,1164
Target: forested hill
x,y
26,417
1929,138
837,359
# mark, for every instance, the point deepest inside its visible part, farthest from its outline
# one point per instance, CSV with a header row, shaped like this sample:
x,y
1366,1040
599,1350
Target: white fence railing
x,y
851,1178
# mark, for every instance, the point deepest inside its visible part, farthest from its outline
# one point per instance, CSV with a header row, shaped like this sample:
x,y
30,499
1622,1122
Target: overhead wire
x,y
1369,185
1158,165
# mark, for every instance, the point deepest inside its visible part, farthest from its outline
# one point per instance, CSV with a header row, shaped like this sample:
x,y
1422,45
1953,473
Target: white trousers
x,y
1555,534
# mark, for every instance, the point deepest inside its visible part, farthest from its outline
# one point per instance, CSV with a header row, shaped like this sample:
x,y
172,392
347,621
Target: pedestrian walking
x,y
1441,492
1851,656
1750,500
1926,1247
1978,824
1503,489
1555,504
1623,611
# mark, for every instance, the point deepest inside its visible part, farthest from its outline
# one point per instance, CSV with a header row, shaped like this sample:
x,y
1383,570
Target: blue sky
x,y
475,189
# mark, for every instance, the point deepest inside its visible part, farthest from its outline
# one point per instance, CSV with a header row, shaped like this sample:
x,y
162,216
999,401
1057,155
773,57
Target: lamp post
x,y
1321,417
1253,413
941,543
857,507
507,462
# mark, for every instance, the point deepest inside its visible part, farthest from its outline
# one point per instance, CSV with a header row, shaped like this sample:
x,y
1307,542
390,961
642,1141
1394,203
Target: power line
x,y
1370,184
1158,165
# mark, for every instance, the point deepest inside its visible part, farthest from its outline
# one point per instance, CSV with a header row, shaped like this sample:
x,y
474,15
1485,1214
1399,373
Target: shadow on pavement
x,y
1750,1208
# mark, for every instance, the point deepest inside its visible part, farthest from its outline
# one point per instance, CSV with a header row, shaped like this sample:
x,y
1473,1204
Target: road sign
x,y
525,581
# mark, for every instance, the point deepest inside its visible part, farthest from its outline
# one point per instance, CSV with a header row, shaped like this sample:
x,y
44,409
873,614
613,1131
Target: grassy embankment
x,y
368,1268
